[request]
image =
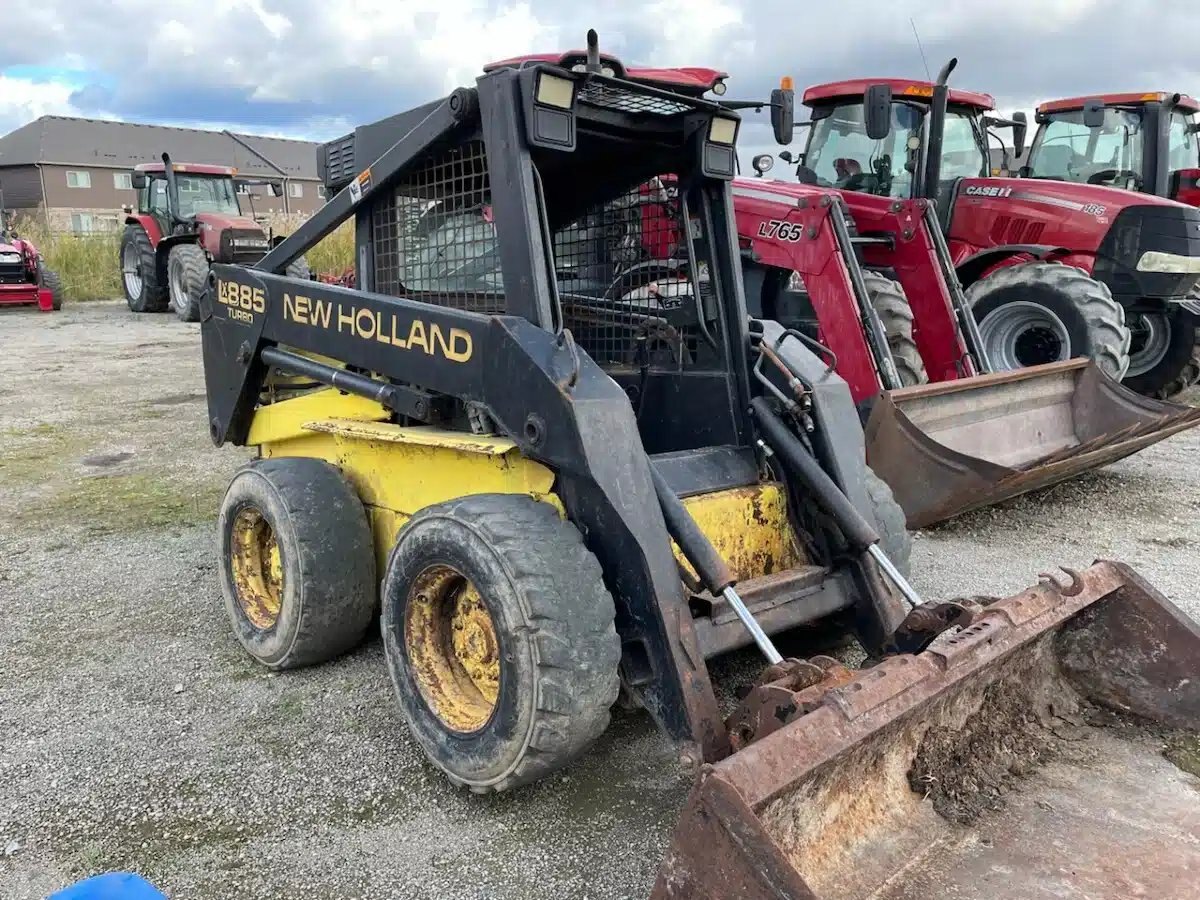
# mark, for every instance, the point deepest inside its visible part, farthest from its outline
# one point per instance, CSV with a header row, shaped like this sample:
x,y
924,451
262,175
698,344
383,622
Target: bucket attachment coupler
x,y
951,447
1020,754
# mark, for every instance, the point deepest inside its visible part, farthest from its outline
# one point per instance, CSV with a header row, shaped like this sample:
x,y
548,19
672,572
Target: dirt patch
x,y
106,460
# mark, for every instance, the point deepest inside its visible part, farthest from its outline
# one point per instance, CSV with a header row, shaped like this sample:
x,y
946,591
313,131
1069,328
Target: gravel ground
x,y
135,734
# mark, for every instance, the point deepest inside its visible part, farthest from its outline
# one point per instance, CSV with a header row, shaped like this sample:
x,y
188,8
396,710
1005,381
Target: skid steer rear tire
x,y
896,315
1078,316
890,522
1173,364
297,563
499,637
187,272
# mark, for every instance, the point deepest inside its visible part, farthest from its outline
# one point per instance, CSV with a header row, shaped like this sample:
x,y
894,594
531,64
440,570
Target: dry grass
x,y
90,264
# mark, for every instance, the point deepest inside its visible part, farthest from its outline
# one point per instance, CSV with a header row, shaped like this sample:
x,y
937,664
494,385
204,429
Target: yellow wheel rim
x,y
257,568
452,648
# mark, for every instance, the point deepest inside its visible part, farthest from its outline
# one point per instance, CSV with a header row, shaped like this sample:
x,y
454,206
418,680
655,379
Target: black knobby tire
x,y
152,296
553,623
326,557
890,522
1093,323
187,274
896,315
53,283
1178,366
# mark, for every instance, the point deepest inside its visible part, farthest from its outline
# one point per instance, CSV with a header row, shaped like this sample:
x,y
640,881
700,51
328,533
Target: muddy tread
x,y
887,296
194,261
568,614
154,295
1104,317
333,572
890,522
52,281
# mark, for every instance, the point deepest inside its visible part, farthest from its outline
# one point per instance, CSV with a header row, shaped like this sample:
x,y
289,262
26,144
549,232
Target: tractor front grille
x,y
13,273
433,237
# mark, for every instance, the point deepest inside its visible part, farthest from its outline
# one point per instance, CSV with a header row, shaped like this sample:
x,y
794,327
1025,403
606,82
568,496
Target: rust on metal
x,y
893,781
959,445
256,565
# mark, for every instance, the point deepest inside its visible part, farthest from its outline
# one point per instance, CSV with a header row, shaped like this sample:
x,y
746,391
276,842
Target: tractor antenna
x,y
593,51
920,49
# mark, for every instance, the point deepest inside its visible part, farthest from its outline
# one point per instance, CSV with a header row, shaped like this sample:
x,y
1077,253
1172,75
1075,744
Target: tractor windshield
x,y
841,155
1067,150
206,194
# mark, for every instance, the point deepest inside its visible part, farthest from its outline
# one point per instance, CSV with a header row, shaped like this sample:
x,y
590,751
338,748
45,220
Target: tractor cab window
x,y
963,153
199,194
1182,150
1067,150
156,202
841,155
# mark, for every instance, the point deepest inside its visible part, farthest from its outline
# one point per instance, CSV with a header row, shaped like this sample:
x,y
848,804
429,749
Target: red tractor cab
x,y
1052,270
188,216
25,280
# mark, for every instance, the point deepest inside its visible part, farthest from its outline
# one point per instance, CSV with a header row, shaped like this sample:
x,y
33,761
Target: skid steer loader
x,y
566,492
974,436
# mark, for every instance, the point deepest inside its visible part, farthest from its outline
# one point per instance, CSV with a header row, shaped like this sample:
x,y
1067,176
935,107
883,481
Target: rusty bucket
x,y
1047,748
950,447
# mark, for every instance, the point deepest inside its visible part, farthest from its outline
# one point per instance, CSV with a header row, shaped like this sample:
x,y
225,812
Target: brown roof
x,y
96,142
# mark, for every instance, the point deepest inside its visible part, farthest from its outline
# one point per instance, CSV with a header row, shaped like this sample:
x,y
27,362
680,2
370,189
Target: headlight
x,y
10,257
1173,263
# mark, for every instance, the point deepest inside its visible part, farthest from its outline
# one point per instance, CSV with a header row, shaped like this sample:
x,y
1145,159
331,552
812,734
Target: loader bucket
x,y
1021,756
958,445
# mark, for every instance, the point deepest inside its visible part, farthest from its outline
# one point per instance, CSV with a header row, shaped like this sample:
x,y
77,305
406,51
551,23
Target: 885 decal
x,y
778,228
242,300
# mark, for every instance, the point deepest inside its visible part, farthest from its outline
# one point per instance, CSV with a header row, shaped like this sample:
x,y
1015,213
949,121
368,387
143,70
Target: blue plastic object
x,y
111,886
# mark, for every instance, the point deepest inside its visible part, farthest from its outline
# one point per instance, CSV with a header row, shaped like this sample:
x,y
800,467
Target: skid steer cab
x,y
1053,270
553,494
188,216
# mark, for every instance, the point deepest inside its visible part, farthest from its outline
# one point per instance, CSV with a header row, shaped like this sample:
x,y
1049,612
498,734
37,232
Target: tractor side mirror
x,y
1093,114
783,112
877,111
762,163
1020,129
138,180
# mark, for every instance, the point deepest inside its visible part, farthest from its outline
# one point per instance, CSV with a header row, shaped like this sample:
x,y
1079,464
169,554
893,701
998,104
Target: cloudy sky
x,y
314,68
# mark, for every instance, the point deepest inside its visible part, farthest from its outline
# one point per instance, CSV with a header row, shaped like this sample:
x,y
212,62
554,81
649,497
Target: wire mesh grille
x,y
613,97
434,239
627,275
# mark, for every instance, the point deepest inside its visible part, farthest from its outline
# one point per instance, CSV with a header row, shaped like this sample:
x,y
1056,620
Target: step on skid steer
x,y
945,431
564,492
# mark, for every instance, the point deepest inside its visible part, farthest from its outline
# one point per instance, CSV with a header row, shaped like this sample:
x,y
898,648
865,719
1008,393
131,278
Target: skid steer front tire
x,y
890,522
297,564
499,637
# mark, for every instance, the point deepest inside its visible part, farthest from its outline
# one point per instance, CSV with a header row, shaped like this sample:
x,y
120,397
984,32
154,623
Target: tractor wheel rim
x,y
452,648
178,291
131,269
257,568
1150,338
1021,334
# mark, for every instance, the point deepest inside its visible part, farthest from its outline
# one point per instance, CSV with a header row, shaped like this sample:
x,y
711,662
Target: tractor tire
x,y
890,521
1166,353
896,315
499,637
50,280
143,293
187,273
298,268
1040,312
297,563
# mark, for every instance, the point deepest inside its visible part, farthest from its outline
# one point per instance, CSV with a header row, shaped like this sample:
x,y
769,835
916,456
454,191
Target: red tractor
x,y
1051,270
24,277
1146,142
188,217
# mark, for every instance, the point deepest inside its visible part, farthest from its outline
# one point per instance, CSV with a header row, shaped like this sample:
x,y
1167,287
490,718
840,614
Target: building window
x,y
79,179
122,181
295,189
82,223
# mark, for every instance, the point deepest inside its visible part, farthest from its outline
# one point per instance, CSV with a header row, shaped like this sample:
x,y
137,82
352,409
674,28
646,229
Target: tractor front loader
x,y
872,283
553,493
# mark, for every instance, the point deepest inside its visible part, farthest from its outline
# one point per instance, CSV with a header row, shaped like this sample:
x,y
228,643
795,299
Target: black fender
x,y
972,268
